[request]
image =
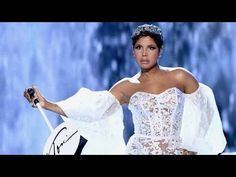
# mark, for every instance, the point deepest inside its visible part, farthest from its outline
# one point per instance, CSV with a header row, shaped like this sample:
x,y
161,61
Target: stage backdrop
x,y
60,58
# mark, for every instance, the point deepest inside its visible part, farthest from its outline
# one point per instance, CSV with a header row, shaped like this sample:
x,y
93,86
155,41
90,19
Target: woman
x,y
172,112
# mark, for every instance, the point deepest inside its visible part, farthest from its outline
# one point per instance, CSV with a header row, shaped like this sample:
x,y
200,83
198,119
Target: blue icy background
x,y
62,57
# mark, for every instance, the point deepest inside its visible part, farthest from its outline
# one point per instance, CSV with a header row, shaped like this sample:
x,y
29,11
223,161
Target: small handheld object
x,y
31,94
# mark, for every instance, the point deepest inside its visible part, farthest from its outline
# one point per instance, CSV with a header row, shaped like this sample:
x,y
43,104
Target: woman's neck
x,y
150,72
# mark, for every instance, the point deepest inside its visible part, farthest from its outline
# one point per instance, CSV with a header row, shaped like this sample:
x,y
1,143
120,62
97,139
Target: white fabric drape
x,y
201,129
99,117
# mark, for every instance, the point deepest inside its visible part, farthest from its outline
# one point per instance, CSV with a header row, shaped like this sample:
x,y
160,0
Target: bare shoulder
x,y
120,86
186,78
181,73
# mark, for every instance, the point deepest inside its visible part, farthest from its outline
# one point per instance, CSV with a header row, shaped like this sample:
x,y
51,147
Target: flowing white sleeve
x,y
201,129
89,106
99,117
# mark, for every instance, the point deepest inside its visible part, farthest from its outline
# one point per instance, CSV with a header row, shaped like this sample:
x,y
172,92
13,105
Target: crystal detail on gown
x,y
157,122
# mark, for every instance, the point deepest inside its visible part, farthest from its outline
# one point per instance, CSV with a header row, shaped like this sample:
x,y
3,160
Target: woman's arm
x,y
44,103
85,104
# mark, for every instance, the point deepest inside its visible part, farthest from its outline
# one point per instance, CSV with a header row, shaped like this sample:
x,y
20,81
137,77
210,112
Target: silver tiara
x,y
148,28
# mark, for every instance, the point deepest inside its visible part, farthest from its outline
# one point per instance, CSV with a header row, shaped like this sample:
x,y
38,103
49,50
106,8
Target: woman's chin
x,y
146,66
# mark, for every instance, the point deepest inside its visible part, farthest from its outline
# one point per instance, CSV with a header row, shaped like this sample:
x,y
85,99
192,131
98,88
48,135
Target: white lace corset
x,y
157,122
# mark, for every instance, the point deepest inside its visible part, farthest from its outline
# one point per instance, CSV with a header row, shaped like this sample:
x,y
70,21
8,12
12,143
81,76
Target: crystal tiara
x,y
148,28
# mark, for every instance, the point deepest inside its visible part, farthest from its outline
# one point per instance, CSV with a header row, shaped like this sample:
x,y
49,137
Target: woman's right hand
x,y
37,95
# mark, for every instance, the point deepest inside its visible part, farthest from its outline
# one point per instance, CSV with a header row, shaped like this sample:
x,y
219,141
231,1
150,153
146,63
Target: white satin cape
x,y
100,119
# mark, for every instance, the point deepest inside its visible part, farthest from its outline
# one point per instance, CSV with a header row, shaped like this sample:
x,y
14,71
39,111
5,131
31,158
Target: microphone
x,y
31,94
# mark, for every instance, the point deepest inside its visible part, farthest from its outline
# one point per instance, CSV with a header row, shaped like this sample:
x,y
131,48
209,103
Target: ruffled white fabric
x,y
201,125
100,118
89,105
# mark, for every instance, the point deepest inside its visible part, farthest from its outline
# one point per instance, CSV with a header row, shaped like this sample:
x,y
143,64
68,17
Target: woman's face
x,y
146,52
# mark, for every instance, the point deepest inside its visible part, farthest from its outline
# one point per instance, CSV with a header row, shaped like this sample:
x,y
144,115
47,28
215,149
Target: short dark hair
x,y
153,31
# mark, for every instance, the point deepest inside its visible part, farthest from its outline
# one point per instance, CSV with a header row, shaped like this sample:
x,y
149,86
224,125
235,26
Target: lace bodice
x,y
157,122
